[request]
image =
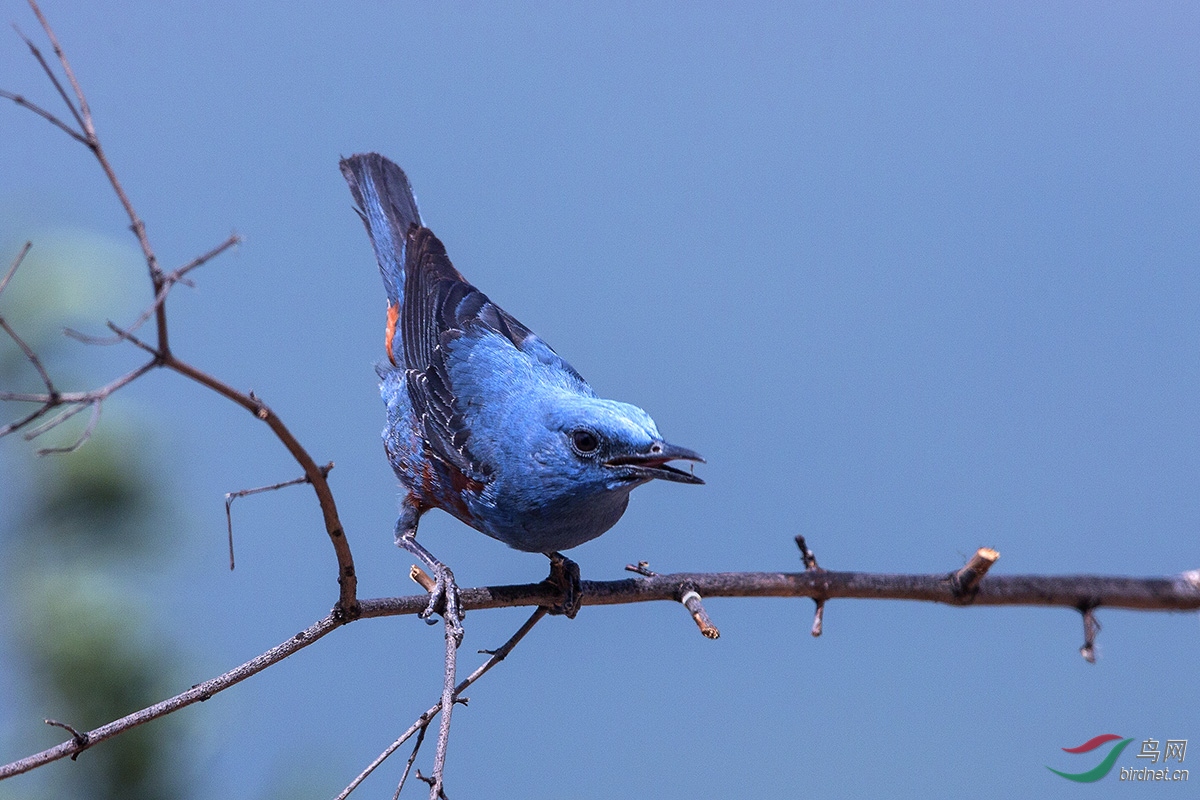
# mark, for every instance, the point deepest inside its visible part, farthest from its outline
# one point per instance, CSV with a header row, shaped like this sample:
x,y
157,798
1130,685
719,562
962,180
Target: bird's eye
x,y
584,441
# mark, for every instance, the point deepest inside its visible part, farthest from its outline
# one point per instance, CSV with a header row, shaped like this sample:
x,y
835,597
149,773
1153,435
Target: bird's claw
x,y
443,598
564,576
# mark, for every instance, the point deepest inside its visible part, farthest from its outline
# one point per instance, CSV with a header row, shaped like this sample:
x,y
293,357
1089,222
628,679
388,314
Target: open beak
x,y
653,463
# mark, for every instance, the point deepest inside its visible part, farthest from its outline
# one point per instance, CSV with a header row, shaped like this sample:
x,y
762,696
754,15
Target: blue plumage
x,y
484,420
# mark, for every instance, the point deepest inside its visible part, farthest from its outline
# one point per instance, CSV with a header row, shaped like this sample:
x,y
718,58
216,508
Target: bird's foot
x,y
443,598
443,594
564,576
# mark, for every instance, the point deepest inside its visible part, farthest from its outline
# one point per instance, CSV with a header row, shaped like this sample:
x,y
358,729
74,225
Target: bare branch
x,y
1174,593
441,795
1091,626
231,496
78,738
55,399
162,357
82,397
447,708
347,577
30,356
50,74
55,421
423,721
83,437
967,579
93,143
806,555
123,334
46,115
86,120
411,758
198,693
818,625
16,262
129,337
177,275
23,421
688,596
168,282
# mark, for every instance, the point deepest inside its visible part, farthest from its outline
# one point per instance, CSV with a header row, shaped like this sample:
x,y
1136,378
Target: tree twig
x,y
347,577
162,356
56,420
37,54
231,496
412,757
447,709
496,656
693,603
83,437
168,282
198,693
30,355
49,401
93,143
16,262
44,114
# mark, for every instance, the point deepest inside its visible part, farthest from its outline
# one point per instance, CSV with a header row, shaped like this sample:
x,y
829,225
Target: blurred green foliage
x,y
75,531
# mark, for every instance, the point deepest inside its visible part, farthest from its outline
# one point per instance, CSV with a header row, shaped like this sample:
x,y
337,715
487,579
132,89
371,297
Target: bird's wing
x,y
433,293
440,305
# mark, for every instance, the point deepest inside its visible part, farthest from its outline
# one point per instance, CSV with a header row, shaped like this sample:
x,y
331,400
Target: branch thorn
x,y
421,577
1091,626
80,739
811,565
966,581
642,568
692,602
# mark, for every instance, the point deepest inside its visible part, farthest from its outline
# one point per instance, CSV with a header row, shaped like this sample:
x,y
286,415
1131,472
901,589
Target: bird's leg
x,y
445,590
564,576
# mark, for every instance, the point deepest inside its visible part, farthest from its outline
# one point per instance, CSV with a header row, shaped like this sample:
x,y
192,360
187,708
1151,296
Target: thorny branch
x,y
161,355
1173,593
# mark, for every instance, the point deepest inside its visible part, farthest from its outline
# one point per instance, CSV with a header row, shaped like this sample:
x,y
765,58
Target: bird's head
x,y
617,444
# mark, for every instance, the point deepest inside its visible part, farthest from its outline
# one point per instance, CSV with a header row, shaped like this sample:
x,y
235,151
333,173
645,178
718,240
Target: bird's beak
x,y
653,463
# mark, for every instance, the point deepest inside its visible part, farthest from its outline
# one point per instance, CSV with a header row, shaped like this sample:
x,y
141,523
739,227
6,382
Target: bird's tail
x,y
388,209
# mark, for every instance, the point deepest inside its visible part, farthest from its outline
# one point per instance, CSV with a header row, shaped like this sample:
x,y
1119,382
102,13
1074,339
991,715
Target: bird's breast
x,y
547,518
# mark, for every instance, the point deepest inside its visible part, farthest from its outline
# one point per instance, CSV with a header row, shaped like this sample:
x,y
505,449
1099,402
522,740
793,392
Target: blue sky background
x,y
915,278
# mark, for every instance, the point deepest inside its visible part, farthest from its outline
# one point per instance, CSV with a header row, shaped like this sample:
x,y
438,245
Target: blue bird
x,y
484,420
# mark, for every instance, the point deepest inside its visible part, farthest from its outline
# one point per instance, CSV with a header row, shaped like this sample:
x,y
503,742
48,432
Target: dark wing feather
x,y
439,306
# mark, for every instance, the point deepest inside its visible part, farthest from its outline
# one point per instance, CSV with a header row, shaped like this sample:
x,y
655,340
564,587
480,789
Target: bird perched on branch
x,y
484,420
